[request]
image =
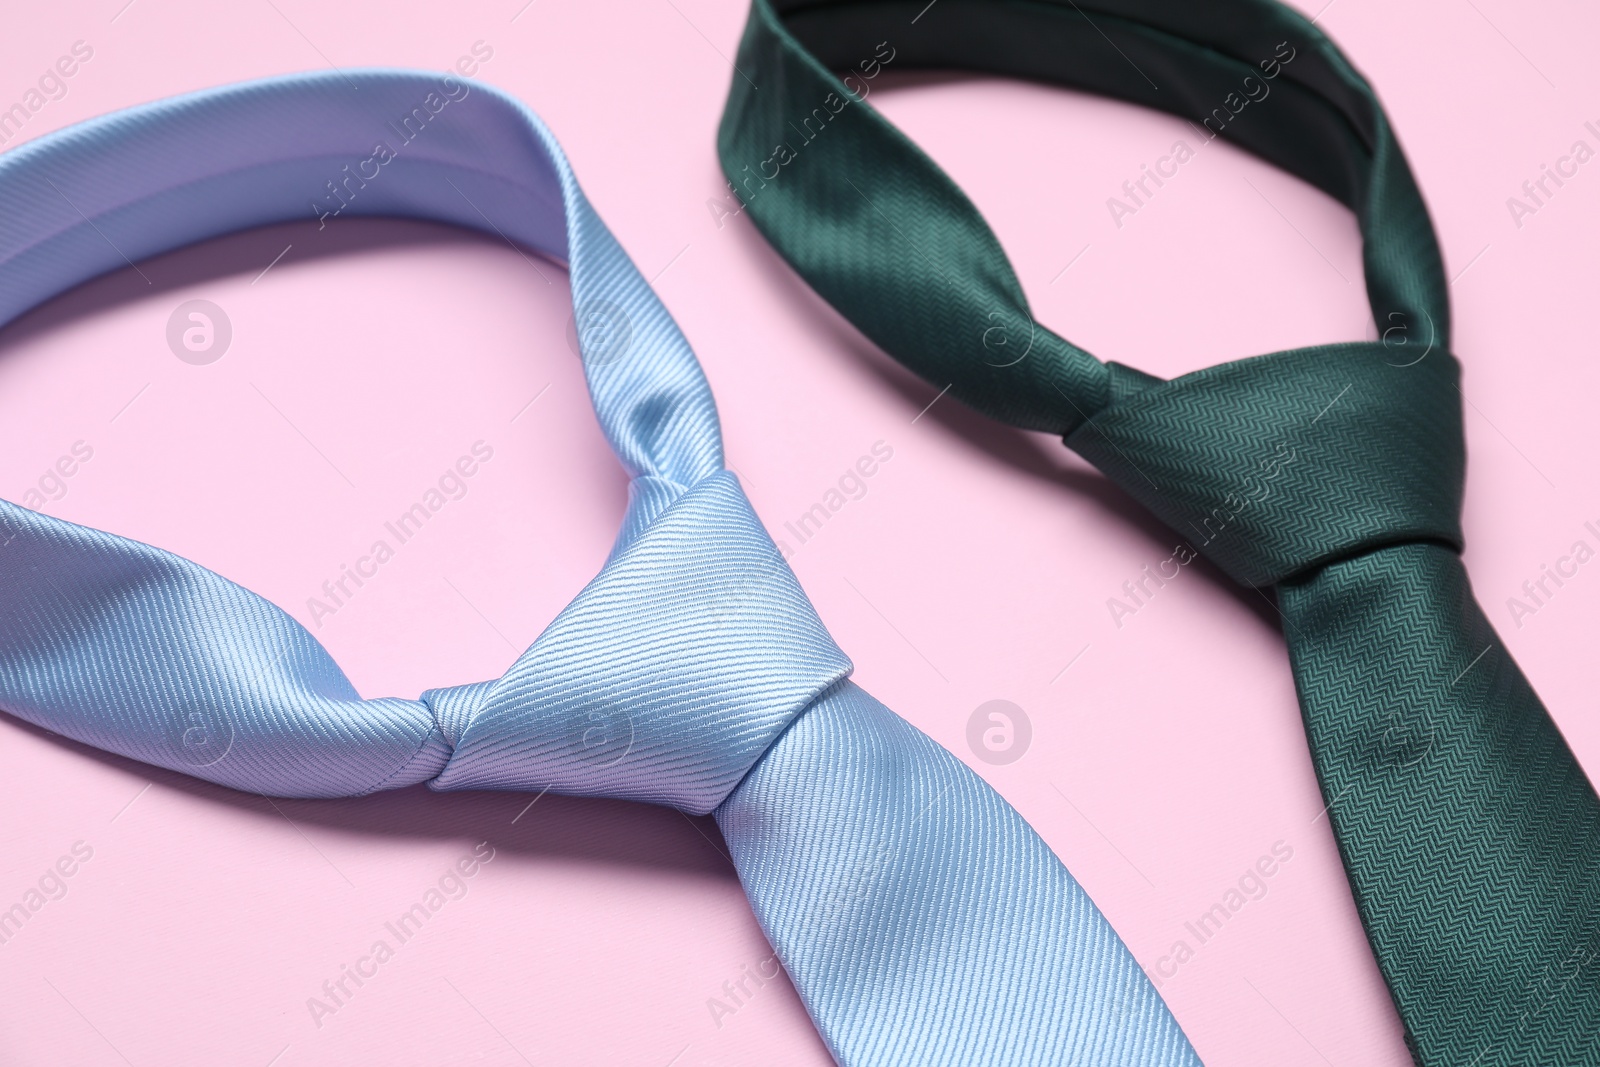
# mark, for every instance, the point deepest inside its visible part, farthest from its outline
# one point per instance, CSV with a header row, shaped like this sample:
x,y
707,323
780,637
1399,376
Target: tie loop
x,y
927,280
643,688
924,276
136,183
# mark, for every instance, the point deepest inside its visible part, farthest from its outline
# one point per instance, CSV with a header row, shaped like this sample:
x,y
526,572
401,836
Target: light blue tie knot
x,y
665,680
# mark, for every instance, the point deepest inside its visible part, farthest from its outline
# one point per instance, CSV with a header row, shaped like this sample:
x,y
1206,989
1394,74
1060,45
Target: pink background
x,y
1163,763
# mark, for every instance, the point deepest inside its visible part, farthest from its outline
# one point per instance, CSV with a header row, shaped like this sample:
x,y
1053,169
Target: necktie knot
x,y
665,680
1279,463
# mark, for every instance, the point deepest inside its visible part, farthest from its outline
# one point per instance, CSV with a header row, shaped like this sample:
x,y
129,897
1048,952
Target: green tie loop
x,y
898,248
1333,474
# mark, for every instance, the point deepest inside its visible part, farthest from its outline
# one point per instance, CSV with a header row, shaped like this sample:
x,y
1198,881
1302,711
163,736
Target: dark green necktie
x,y
1332,474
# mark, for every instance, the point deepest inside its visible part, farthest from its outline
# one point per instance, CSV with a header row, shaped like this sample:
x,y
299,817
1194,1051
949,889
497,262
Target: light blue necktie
x,y
921,920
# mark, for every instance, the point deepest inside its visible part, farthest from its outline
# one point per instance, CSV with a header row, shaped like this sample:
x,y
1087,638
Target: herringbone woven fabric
x,y
1331,474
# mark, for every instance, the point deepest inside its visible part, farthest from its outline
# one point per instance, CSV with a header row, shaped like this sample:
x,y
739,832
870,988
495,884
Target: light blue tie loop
x,y
920,918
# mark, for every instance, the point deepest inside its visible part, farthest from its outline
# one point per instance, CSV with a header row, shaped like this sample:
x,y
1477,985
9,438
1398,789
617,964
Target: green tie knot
x,y
1280,463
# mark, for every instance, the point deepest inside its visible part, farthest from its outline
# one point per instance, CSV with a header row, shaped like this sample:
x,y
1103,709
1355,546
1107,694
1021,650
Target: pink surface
x,y
1164,762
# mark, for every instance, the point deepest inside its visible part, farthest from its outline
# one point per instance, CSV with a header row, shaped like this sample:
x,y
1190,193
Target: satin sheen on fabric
x,y
1333,474
920,918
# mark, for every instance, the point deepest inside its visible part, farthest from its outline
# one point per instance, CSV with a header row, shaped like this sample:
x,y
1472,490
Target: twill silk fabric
x,y
920,918
1331,474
